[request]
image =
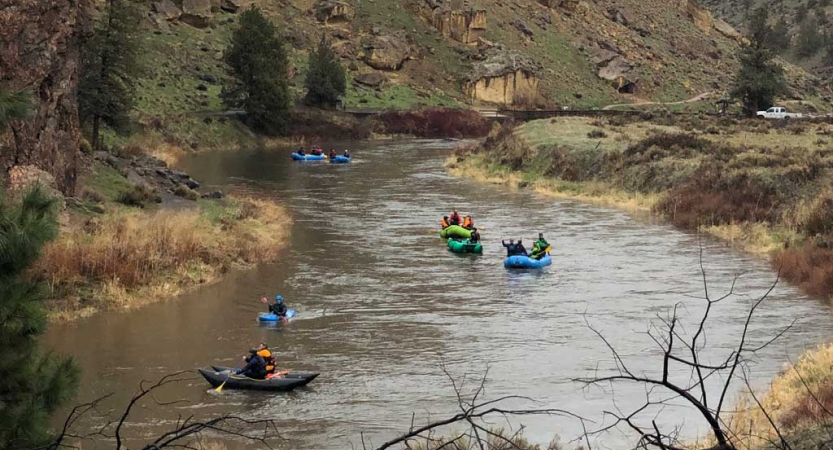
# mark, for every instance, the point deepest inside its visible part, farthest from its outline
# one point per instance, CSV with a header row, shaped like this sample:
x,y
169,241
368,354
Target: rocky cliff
x,y
39,52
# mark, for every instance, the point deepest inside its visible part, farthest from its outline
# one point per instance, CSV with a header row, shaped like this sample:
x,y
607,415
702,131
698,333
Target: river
x,y
383,305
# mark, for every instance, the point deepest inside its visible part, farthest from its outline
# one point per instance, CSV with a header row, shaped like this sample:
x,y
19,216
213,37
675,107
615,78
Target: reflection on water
x,y
382,303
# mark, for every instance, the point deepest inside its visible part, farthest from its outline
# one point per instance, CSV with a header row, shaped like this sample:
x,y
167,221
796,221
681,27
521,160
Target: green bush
x,y
139,196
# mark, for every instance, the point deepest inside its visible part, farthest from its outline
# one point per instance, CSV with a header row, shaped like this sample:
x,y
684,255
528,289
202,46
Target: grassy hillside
x,y
671,58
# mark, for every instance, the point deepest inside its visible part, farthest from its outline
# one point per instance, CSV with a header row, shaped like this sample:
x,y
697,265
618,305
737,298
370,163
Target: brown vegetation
x,y
131,258
708,174
434,123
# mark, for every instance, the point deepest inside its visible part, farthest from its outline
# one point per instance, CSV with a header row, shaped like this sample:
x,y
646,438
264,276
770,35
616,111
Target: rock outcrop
x,y
504,78
462,25
701,18
39,51
166,9
334,11
387,52
197,13
234,6
371,79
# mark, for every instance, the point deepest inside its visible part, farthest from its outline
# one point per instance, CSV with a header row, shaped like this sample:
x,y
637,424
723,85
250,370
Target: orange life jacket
x,y
467,222
270,360
443,223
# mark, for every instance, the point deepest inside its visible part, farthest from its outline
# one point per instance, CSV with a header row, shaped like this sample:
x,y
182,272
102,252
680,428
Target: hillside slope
x,y
403,53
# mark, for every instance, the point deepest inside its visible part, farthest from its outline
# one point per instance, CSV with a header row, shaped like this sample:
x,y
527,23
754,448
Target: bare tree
x,y
474,415
185,434
681,351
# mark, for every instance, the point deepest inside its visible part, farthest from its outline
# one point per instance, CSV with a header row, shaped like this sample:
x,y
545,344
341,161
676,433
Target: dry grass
x,y
129,259
800,398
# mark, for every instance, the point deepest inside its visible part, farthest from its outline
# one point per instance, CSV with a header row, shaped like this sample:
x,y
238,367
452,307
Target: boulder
x,y
196,13
234,6
387,52
727,30
618,71
371,79
701,18
166,9
334,11
620,16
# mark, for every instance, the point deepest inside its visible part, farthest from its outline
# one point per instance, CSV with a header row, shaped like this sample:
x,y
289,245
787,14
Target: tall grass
x,y
800,398
131,258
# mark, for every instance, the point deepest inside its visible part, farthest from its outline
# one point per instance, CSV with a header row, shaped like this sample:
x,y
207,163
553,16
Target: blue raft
x,y
269,317
340,160
298,157
525,262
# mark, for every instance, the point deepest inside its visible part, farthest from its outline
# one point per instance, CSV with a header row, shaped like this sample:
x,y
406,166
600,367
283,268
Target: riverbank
x,y
139,233
760,186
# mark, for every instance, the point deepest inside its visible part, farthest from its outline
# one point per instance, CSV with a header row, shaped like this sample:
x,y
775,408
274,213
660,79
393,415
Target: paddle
x,y
266,302
230,372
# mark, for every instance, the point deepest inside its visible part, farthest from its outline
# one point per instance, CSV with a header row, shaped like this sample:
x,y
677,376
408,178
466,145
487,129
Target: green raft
x,y
455,231
464,246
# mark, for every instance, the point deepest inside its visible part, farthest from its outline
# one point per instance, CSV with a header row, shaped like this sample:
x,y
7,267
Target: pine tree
x,y
33,383
109,67
259,64
326,80
759,79
14,106
809,39
781,34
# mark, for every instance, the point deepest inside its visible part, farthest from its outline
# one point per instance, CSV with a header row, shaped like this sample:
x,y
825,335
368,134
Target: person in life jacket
x,y
444,222
332,153
318,151
520,249
346,154
475,236
255,366
468,222
302,151
264,352
454,218
540,247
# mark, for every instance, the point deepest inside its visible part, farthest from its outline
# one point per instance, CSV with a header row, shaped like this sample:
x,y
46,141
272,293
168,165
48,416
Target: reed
x,y
132,258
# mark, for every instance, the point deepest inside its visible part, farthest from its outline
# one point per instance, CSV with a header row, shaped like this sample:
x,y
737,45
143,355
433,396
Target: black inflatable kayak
x,y
305,376
237,382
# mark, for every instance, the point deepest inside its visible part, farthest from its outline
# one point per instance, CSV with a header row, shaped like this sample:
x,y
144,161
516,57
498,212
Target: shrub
x,y
597,134
809,266
139,196
91,195
185,192
435,123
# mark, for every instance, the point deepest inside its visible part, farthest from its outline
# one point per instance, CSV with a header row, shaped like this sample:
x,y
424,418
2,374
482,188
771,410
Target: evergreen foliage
x,y
759,79
259,64
33,383
109,67
14,106
326,81
781,35
809,40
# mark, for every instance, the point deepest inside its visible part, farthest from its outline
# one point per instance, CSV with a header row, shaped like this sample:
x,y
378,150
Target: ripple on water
x,y
382,303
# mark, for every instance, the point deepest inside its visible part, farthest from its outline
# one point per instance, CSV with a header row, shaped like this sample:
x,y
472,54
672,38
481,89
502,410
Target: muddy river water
x,y
383,305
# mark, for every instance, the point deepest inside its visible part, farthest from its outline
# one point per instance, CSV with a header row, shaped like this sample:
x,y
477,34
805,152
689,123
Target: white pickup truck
x,y
777,112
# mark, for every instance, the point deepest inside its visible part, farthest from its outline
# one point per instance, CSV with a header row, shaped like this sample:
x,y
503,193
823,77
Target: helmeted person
x,y
475,236
255,366
468,222
302,151
332,153
278,308
444,222
346,154
264,352
539,249
454,218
